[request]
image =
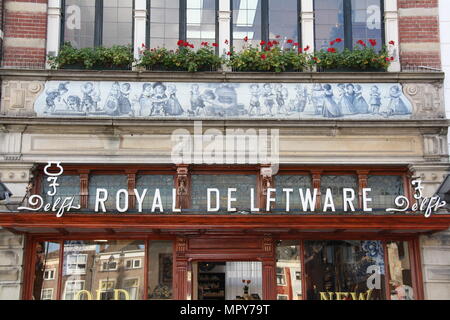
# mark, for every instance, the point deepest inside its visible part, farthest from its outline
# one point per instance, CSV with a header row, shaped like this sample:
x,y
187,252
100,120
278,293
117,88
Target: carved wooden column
x,y
315,176
181,270
84,188
268,269
265,182
131,186
183,186
362,183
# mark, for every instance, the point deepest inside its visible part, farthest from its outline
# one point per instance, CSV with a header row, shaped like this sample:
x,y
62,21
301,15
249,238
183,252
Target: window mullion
x,y
183,20
348,38
265,20
98,33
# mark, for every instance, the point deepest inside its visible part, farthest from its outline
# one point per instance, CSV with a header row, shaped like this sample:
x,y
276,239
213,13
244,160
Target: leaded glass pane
x,y
337,185
243,184
117,22
79,23
164,23
384,190
366,21
329,23
295,182
200,21
69,186
112,183
165,184
283,21
246,22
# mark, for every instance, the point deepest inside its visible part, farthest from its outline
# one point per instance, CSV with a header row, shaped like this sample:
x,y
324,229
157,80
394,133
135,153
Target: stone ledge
x,y
73,75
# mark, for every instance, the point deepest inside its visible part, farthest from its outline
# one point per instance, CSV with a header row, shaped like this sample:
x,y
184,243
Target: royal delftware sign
x,y
308,199
223,100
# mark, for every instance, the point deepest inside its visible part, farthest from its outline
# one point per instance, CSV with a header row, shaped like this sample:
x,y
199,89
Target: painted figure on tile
x,y
74,103
112,102
124,101
159,99
211,105
281,95
54,96
227,100
90,98
330,107
375,100
396,105
301,97
317,97
255,105
360,103
268,99
347,100
173,106
197,103
145,100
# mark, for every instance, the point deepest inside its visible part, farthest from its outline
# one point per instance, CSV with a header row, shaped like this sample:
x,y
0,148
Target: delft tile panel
x,y
224,100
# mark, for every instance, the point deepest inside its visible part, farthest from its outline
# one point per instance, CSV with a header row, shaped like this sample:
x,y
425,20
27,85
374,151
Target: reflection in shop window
x,y
294,182
79,24
337,185
117,22
164,23
47,262
112,183
288,268
400,283
160,276
69,186
246,15
344,270
96,270
283,21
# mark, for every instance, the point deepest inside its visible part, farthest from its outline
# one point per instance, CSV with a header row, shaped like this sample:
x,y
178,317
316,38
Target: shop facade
x,y
256,235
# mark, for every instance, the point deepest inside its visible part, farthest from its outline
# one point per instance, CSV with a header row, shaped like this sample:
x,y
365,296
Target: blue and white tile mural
x,y
224,100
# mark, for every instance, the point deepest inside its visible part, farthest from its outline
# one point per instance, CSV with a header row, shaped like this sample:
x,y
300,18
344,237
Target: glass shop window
x,y
384,190
45,271
246,18
344,270
112,183
200,21
69,186
165,184
164,23
96,270
294,182
160,275
90,23
288,271
242,183
284,21
349,20
400,284
337,185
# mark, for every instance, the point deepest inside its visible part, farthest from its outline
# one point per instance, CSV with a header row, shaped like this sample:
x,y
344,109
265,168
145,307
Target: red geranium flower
x,y
246,39
307,48
290,41
315,59
296,44
143,45
392,58
229,53
215,44
392,42
373,42
361,43
266,48
270,44
338,40
275,42
180,42
263,56
332,50
332,43
226,41
277,36
262,43
388,59
300,50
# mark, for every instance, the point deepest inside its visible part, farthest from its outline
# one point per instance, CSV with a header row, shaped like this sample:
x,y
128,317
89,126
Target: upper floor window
x,y
90,23
264,20
349,20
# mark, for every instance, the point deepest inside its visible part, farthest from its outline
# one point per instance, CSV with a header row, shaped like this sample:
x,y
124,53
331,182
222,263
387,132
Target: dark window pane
x,y
329,23
366,21
201,21
246,22
283,21
46,272
79,23
384,190
337,185
164,23
344,270
112,183
117,22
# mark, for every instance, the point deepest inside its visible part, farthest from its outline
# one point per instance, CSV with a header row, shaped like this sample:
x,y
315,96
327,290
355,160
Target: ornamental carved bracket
x,y
182,185
426,99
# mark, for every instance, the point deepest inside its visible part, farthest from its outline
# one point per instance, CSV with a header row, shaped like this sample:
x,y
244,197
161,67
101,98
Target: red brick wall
x,y
24,26
419,35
